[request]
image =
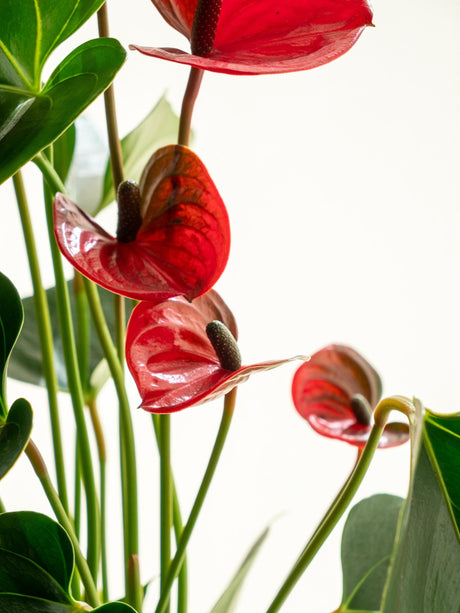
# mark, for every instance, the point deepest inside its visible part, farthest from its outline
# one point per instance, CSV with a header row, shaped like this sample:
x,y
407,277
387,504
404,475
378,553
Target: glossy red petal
x,y
181,247
171,359
322,391
270,36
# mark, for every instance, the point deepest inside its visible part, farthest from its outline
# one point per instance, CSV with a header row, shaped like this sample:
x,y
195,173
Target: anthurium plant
x,y
140,312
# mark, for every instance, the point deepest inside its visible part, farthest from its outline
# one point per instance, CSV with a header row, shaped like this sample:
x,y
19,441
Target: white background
x,y
342,185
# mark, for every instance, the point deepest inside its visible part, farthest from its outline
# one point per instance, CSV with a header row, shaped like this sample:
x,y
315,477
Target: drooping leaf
x,y
424,572
11,318
38,118
228,601
15,603
158,129
14,434
367,544
26,361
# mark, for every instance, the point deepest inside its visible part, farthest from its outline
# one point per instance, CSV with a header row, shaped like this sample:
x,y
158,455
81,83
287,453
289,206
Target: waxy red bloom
x,y
181,246
336,392
262,36
171,357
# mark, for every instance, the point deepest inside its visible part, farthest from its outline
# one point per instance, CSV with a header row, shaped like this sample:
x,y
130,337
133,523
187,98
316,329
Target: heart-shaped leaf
x,y
40,117
158,129
227,602
26,360
11,318
367,545
14,434
15,603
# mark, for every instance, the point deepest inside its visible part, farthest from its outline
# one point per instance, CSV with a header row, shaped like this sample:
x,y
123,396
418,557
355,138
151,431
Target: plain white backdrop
x,y
342,185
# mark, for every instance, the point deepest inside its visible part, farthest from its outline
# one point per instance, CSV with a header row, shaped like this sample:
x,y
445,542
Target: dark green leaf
x,y
31,30
14,434
76,82
367,545
227,602
19,575
63,150
11,318
15,603
159,128
443,443
42,541
26,361
424,574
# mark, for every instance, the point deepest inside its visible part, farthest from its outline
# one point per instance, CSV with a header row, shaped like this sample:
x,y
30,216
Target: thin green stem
x,y
50,174
45,335
188,104
345,496
229,406
83,330
73,375
165,499
127,448
182,589
41,471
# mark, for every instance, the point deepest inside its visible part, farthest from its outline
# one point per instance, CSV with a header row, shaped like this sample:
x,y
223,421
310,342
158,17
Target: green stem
x,y
188,104
41,471
165,499
182,595
229,406
345,496
127,449
73,373
45,336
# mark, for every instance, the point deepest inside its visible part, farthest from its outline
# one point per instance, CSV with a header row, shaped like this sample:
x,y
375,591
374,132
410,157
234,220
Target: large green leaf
x,y
114,607
15,603
14,434
30,30
227,602
11,318
159,128
425,570
367,545
26,360
37,119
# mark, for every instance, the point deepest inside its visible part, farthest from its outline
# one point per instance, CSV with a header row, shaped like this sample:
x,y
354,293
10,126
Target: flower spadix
x,y
261,36
183,353
337,391
173,234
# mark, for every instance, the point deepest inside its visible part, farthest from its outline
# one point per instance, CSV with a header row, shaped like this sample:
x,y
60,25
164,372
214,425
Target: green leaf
x,y
425,567
15,603
227,602
40,118
11,318
367,545
14,434
26,361
115,607
63,150
31,29
159,128
42,541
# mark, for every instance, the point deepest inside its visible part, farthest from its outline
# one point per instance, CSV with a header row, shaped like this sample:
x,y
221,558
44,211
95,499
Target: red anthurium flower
x,y
336,392
180,354
262,36
173,234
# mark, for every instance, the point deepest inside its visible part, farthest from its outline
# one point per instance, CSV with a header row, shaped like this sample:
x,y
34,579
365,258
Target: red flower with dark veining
x,y
336,392
173,235
262,36
180,354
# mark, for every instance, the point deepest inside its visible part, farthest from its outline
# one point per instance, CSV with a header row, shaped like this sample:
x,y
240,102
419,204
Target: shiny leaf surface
x,y
181,247
11,318
171,358
14,434
324,392
268,36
